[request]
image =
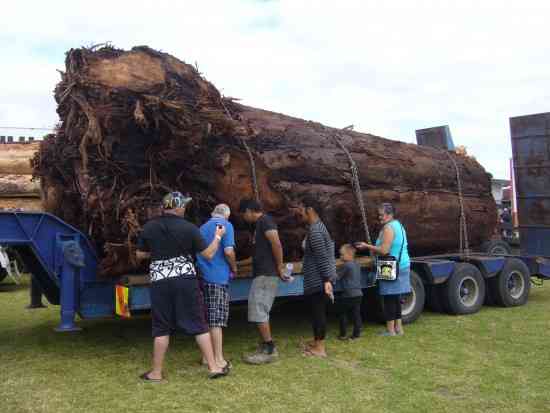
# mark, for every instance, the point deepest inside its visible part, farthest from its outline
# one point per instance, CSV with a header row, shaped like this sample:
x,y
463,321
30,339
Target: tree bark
x,y
136,124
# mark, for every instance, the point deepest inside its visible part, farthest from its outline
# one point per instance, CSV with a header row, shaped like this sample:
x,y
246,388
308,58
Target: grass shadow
x,y
11,287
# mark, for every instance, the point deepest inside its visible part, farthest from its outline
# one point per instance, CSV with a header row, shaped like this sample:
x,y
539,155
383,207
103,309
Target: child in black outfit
x,y
349,302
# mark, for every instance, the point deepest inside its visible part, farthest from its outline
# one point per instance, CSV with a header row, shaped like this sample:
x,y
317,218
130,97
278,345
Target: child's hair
x,y
350,248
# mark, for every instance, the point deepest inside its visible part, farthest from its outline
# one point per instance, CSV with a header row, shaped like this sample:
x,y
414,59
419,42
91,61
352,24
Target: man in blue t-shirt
x,y
216,273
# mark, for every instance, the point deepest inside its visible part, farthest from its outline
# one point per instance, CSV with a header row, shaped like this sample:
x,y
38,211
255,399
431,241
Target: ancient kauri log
x,y
138,123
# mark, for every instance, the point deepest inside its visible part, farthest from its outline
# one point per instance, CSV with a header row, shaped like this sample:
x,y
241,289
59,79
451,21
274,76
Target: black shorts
x,y
177,305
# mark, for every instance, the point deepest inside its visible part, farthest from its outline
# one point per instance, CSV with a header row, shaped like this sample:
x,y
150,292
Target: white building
x,y
497,186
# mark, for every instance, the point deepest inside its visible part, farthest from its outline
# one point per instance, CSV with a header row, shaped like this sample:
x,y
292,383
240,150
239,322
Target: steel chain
x,y
463,227
252,169
356,187
250,158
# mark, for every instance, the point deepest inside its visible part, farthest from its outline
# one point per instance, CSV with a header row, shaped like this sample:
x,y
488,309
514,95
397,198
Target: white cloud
x,y
387,67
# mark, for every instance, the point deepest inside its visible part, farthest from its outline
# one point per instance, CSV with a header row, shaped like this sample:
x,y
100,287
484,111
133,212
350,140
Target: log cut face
x,y
15,158
19,186
138,123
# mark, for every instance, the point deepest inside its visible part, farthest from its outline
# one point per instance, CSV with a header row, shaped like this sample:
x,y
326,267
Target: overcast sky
x,y
389,67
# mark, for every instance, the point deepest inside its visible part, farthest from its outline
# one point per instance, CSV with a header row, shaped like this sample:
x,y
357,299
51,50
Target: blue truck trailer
x,y
64,263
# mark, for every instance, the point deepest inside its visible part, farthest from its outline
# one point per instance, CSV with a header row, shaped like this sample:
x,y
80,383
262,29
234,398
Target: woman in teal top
x,y
392,240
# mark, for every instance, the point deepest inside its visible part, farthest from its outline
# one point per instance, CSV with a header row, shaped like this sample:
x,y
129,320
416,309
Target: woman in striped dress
x,y
319,269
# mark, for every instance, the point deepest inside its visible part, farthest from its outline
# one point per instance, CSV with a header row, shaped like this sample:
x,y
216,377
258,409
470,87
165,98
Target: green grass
x,y
495,361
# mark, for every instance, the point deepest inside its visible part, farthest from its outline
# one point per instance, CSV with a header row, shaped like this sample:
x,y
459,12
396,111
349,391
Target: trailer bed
x,y
63,262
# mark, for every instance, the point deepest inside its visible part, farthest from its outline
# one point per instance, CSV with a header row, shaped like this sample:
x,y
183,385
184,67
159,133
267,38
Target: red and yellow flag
x,y
121,300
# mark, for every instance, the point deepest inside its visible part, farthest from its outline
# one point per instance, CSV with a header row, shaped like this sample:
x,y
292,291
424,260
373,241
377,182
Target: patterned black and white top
x,y
319,258
172,242
181,266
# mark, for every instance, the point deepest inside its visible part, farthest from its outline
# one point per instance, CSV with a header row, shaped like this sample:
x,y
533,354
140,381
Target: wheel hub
x,y
468,291
515,284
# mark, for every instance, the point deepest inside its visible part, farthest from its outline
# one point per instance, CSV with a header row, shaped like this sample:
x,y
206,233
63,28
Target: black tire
x,y
512,285
434,298
489,298
412,304
464,291
3,274
496,247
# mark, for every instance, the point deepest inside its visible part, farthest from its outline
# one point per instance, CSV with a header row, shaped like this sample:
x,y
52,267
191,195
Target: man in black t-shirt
x,y
267,267
171,242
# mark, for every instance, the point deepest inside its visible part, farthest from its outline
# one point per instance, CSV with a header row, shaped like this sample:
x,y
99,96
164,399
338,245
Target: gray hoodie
x,y
349,276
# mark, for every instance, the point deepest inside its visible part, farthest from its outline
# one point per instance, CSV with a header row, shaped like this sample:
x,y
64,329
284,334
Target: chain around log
x,y
355,185
252,169
250,158
463,228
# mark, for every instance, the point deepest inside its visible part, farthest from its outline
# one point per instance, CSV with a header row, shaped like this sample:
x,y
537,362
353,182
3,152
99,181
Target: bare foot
x,y
224,364
308,344
314,352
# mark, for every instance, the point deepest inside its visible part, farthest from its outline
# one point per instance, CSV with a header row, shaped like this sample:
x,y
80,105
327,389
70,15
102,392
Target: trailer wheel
x,y
464,291
496,247
512,285
412,304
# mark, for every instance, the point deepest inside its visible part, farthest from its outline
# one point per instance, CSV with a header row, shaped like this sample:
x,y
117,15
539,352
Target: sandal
x,y
228,365
219,375
145,377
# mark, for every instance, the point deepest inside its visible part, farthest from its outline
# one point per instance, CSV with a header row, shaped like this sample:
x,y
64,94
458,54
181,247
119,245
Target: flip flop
x,y
219,375
228,366
145,377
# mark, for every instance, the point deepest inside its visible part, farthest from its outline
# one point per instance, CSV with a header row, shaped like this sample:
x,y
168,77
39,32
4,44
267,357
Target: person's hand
x,y
361,245
220,231
328,289
281,271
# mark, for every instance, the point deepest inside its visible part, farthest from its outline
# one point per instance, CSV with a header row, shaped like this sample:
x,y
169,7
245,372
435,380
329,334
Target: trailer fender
x,y
489,266
433,271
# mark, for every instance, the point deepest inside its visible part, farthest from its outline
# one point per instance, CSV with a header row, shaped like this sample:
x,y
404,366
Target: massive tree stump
x,y
138,123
